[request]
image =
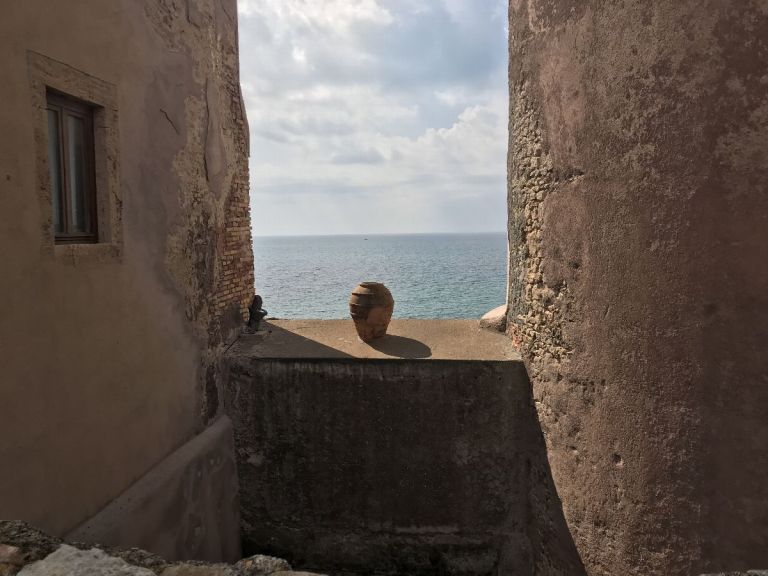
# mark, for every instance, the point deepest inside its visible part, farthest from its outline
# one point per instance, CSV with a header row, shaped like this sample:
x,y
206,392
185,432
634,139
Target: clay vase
x,y
371,306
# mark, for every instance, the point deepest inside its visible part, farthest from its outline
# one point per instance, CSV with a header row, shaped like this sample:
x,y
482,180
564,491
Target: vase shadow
x,y
401,347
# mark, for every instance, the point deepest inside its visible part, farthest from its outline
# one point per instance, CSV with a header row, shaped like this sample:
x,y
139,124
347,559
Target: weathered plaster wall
x,y
638,175
110,356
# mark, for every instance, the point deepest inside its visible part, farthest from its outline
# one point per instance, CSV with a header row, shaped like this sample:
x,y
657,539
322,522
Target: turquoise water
x,y
429,275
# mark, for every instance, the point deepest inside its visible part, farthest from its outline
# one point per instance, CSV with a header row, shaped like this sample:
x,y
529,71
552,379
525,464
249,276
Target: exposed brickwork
x,y
209,254
236,282
236,277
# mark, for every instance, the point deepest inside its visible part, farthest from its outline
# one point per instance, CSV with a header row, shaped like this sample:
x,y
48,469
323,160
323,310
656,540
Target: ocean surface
x,y
429,275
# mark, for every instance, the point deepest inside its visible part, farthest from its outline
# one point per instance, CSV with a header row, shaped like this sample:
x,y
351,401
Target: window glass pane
x,y
54,166
76,172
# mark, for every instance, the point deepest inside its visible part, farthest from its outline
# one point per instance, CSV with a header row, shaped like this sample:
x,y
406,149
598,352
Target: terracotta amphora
x,y
371,306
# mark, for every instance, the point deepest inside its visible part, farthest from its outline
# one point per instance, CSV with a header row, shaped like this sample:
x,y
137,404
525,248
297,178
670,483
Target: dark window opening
x,y
71,164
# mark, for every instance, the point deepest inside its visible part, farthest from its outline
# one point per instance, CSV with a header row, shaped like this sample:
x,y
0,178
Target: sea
x,y
429,275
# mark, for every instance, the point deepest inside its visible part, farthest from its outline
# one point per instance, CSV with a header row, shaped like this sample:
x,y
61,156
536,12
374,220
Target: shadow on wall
x,y
552,548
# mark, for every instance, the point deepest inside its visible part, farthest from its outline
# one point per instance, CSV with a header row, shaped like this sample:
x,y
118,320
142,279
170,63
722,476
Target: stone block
x,y
11,555
495,320
67,561
261,566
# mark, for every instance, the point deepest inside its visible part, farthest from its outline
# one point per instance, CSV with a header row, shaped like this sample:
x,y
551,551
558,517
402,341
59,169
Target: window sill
x,y
74,253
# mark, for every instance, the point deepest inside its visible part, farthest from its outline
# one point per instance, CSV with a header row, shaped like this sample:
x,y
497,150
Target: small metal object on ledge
x,y
255,315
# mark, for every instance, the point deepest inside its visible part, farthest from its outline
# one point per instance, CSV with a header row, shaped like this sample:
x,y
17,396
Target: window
x,y
71,166
77,160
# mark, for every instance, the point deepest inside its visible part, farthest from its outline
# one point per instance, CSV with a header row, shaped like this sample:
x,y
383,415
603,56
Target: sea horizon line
x,y
380,234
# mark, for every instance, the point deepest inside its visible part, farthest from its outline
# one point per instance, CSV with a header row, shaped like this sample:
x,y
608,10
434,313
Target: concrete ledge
x,y
385,459
185,508
405,340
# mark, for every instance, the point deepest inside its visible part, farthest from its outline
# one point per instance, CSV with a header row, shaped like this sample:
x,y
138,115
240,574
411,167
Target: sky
x,y
375,116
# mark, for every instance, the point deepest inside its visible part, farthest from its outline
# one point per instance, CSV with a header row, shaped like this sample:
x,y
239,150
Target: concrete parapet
x,y
185,508
407,457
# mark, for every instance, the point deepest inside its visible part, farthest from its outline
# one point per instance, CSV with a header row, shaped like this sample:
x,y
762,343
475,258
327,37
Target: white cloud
x,y
375,116
299,54
335,15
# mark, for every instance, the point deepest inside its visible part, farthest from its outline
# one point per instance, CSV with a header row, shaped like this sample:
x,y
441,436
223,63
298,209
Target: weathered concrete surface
x,y
109,351
393,465
185,508
405,339
638,290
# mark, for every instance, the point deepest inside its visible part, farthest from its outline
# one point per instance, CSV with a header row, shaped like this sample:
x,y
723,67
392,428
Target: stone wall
x,y
638,169
110,351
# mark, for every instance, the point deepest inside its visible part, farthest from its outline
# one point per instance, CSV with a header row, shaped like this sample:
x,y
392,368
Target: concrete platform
x,y
406,339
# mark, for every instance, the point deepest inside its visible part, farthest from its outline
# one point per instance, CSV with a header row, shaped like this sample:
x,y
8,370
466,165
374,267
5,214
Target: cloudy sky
x,y
375,116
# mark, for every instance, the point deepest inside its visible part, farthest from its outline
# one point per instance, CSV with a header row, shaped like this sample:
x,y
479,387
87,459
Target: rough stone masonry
x,y
26,551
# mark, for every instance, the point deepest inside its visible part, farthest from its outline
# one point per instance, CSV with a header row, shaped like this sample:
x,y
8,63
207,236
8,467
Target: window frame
x,y
46,74
64,105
